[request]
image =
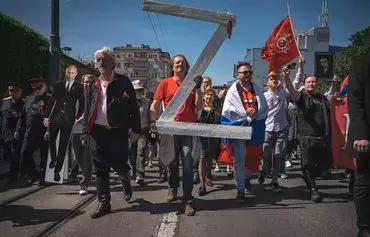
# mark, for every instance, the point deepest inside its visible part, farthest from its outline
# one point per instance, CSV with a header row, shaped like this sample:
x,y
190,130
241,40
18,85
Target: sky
x,y
87,25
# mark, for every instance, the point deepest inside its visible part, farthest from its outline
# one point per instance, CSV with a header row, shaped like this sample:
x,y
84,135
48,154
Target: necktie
x,y
68,86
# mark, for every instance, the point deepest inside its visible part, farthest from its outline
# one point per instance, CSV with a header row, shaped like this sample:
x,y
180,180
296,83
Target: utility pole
x,y
54,44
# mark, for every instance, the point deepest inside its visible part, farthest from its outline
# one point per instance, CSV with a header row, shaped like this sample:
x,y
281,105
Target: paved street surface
x,y
264,214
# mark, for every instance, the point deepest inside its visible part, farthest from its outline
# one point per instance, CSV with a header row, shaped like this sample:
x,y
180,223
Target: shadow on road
x,y
22,215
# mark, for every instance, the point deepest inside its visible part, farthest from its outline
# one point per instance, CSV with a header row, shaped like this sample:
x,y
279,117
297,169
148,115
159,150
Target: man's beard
x,y
101,69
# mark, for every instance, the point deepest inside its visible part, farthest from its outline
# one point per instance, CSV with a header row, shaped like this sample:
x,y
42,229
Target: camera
x,y
291,66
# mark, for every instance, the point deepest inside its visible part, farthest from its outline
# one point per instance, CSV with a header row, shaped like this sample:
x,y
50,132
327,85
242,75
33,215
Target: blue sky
x,y
86,25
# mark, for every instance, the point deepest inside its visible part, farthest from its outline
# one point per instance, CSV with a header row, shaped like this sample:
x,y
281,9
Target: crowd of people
x,y
111,123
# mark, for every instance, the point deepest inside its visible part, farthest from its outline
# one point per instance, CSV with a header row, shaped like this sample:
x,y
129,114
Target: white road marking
x,y
168,225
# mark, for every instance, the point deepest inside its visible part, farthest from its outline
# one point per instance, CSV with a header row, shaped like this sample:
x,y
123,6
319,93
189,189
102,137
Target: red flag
x,y
280,48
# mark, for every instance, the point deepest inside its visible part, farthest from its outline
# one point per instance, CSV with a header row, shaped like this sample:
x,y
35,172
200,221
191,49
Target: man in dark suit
x,y
111,117
359,139
61,115
31,130
10,111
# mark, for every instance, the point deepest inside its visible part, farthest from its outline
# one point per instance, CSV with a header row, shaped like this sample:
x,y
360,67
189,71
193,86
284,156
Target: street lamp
x,y
54,43
66,50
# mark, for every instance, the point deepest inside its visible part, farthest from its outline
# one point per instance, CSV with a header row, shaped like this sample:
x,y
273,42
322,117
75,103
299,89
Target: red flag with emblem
x,y
280,48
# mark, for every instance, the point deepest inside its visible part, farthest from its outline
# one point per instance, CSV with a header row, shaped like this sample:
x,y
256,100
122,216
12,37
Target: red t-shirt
x,y
166,89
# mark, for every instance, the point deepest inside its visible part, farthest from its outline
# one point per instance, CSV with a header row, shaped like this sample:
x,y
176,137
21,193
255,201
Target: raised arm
x,y
300,74
331,90
293,92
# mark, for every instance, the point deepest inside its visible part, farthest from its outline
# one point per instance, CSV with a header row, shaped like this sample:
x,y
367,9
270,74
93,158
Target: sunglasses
x,y
37,88
246,72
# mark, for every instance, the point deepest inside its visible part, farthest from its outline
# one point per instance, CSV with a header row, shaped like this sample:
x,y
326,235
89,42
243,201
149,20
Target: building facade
x,y
142,63
314,46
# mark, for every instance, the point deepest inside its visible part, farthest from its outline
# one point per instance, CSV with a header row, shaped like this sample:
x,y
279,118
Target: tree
x,y
360,45
25,52
85,60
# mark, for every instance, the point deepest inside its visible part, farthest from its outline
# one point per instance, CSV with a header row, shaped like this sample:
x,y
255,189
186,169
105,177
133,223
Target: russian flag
x,y
233,114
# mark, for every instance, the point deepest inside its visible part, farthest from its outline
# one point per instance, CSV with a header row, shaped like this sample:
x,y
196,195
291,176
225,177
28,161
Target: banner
x,y
339,129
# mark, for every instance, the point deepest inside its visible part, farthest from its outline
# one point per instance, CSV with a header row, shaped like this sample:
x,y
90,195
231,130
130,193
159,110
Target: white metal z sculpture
x,y
165,123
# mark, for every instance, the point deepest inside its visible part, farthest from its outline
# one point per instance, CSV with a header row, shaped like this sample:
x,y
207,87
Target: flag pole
x,y
291,25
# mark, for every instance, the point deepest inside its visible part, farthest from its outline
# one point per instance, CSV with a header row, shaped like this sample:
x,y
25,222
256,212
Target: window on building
x,y
141,74
118,56
118,65
140,65
128,65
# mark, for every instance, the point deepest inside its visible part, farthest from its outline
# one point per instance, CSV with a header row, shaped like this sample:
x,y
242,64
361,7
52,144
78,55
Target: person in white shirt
x,y
276,128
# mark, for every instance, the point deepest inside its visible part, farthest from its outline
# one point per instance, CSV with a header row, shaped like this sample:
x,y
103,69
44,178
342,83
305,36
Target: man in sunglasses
x,y
11,108
244,105
30,131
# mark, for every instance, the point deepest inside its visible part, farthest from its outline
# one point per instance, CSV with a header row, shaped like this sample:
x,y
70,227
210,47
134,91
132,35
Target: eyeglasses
x,y
246,72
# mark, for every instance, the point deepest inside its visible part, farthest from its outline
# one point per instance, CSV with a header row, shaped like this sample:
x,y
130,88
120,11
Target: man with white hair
x,y
111,117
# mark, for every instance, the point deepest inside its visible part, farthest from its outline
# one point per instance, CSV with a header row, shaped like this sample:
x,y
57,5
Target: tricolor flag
x,y
233,114
343,87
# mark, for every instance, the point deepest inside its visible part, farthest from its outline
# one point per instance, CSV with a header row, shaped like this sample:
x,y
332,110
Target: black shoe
x,y
42,182
29,183
52,165
248,185
240,197
103,209
202,190
127,189
261,178
162,179
276,187
315,196
56,177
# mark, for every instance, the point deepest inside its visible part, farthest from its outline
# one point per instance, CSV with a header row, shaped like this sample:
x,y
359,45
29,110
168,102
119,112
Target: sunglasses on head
x,y
37,88
246,72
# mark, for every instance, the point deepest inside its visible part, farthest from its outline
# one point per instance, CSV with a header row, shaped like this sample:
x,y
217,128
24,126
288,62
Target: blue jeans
x,y
240,172
183,147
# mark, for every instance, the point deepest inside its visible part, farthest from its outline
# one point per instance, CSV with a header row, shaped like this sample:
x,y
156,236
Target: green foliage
x,y
360,45
26,52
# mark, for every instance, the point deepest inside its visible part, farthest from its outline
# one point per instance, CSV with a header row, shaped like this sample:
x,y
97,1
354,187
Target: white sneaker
x,y
83,191
217,168
288,164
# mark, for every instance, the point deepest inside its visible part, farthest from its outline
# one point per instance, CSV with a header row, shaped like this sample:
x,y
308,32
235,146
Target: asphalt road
x,y
264,214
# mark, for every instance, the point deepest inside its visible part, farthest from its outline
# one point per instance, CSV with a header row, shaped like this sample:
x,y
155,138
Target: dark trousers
x,y
11,153
314,158
111,152
65,129
183,147
30,144
362,192
138,153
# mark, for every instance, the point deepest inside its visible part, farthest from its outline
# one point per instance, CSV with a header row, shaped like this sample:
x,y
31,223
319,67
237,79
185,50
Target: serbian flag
x,y
233,114
343,87
280,48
